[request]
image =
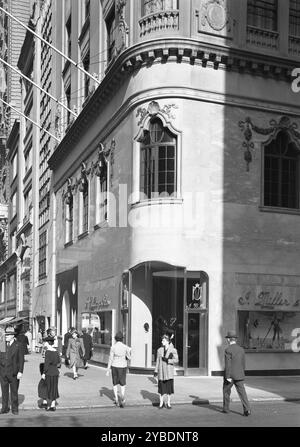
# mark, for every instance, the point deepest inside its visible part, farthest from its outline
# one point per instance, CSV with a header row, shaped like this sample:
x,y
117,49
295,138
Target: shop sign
x,y
268,300
94,303
197,300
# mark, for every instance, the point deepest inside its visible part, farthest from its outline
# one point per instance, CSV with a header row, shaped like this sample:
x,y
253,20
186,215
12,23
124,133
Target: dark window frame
x,y
263,14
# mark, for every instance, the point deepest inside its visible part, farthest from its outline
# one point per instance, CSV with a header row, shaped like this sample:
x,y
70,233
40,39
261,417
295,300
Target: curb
x,y
149,404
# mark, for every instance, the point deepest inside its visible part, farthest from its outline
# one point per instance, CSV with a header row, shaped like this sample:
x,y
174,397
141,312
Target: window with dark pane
x,y
158,161
42,255
69,221
263,14
294,18
85,203
152,6
281,173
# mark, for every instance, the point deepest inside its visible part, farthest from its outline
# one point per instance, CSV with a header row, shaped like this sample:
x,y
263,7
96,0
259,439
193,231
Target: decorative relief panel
x,y
214,18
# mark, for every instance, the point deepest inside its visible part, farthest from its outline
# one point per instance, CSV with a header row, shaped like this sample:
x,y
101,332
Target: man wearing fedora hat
x,y
234,373
11,371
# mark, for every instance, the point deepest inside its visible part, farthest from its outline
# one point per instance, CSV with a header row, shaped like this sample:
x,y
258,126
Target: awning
x,y
18,320
6,320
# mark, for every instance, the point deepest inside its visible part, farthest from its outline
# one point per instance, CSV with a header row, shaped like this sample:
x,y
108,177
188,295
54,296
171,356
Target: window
x,y
267,330
262,14
68,99
152,6
158,161
11,284
27,203
43,255
87,8
13,239
13,205
281,173
86,66
103,334
102,195
68,37
69,221
2,292
14,166
294,20
111,36
84,208
28,159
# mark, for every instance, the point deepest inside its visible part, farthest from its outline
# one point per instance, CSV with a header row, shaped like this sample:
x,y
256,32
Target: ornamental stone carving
x,y
153,109
214,18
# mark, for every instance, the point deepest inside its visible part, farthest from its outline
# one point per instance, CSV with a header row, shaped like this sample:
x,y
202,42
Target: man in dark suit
x,y
234,373
11,371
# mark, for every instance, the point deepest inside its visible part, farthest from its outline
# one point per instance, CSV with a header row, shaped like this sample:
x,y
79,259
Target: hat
x,y
10,331
119,336
49,338
231,334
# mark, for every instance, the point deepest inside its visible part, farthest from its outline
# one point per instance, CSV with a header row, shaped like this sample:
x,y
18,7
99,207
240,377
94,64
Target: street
x,y
264,414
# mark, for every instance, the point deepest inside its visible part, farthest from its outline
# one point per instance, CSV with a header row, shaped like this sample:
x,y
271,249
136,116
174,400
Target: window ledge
x,y
83,235
272,209
67,244
103,224
161,201
270,351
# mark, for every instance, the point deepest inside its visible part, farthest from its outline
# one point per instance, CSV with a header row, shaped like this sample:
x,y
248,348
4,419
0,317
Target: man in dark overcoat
x,y
234,373
11,371
88,346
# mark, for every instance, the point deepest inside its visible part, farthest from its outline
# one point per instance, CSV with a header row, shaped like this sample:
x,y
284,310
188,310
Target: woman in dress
x,y
51,373
166,358
75,353
117,363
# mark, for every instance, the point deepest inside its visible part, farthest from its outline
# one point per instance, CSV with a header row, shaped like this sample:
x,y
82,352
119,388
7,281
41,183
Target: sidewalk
x,y
94,388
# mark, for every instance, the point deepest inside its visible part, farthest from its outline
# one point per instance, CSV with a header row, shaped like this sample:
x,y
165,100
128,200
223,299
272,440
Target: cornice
x,y
164,50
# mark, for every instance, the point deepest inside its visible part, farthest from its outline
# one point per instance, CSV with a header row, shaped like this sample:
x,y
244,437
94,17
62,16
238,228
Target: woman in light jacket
x,y
119,356
166,358
75,353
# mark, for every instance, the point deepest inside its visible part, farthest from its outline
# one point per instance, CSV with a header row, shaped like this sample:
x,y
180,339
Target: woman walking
x,y
51,373
166,358
75,353
118,358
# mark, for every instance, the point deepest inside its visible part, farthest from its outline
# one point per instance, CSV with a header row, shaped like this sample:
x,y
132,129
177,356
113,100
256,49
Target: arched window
x,y
69,220
263,14
281,173
153,6
158,161
294,18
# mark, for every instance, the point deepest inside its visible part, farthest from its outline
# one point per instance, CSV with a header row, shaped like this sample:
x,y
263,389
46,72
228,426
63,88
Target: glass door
x,y
195,323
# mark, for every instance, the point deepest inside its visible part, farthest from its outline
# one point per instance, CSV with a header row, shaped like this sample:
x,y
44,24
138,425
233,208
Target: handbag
x,y
42,366
42,389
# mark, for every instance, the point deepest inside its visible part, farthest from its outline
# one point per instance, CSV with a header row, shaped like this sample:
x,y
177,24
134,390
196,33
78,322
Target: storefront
x,y
163,298
66,300
268,314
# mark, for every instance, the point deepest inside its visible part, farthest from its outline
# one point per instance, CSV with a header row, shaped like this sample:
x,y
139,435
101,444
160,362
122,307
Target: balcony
x,y
161,21
262,38
294,45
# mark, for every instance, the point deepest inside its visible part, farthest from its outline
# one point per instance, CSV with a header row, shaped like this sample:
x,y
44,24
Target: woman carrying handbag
x,y
75,353
51,374
167,356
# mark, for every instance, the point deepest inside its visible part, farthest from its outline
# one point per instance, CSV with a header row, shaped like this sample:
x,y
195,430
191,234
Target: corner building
x,y
176,188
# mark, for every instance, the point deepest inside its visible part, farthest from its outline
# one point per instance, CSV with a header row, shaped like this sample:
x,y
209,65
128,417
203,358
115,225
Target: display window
x,y
267,330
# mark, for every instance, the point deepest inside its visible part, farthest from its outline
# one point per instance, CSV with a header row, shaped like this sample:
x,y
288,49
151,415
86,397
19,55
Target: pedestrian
x,y
11,371
28,334
65,344
234,373
39,345
24,342
167,356
88,346
51,332
75,353
119,356
51,373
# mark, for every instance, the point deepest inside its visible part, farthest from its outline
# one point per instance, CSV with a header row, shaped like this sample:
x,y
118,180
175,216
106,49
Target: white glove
x,y
19,375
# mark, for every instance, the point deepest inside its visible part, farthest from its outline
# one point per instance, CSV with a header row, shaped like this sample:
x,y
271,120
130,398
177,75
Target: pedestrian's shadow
x,y
205,403
150,396
154,381
107,392
70,375
21,398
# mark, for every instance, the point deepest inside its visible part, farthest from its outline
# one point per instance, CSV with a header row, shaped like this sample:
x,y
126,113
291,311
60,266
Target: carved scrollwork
x,y
248,127
153,109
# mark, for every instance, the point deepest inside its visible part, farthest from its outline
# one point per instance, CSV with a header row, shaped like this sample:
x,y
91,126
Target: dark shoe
x,y
247,413
168,406
122,403
43,406
225,411
15,412
85,367
116,403
160,407
4,410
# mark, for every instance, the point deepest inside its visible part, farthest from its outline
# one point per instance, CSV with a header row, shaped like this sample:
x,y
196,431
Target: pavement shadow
x,y
107,392
70,375
153,397
21,398
152,380
205,403
285,386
